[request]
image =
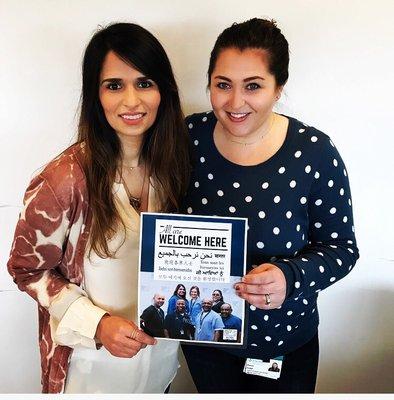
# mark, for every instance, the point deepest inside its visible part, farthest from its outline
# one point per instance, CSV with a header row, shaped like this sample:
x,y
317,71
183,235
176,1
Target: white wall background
x,y
341,81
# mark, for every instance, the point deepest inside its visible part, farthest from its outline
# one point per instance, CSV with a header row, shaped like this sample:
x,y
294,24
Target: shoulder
x,y
216,316
307,135
308,142
66,166
148,309
200,122
199,118
62,180
235,318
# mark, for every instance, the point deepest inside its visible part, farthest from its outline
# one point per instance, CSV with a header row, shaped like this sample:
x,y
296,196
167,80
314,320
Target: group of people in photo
x,y
209,319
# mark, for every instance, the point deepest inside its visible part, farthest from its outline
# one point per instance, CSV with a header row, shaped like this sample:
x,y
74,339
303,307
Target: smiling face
x,y
181,291
243,92
129,99
216,296
180,306
158,300
225,310
206,305
193,293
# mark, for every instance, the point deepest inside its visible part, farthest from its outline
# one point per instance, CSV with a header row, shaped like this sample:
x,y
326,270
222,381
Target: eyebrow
x,y
112,80
251,78
118,80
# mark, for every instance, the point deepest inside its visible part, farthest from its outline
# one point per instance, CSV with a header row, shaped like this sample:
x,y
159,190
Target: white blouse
x,y
111,285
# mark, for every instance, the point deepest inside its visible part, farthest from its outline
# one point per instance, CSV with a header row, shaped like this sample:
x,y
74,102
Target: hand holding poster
x,y
188,266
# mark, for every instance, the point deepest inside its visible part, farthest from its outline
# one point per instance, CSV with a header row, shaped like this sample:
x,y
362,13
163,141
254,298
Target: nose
x,y
237,100
131,97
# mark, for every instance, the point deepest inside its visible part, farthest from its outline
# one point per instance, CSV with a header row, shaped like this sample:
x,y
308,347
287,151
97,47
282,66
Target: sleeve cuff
x,y
64,299
79,324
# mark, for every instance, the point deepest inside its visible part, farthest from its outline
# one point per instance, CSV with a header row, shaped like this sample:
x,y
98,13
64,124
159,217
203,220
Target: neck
x,y
131,150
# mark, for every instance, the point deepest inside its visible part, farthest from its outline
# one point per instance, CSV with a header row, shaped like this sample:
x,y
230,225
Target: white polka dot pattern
x,y
298,207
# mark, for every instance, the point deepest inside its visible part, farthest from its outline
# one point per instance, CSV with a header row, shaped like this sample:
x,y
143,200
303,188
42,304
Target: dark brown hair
x,y
255,33
221,294
165,147
176,291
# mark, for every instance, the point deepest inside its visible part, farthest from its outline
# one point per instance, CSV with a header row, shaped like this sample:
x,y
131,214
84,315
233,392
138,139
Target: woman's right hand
x,y
122,338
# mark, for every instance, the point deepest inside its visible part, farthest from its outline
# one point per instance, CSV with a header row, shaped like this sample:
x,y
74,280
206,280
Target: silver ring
x,y
133,334
267,299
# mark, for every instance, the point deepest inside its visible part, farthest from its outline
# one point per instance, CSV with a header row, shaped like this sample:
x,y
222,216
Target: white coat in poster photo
x,y
188,266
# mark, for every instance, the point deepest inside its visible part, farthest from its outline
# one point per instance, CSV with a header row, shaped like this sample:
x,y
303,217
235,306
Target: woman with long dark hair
x,y
179,293
76,243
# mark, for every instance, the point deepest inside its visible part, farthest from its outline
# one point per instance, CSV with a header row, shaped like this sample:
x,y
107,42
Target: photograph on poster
x,y
188,266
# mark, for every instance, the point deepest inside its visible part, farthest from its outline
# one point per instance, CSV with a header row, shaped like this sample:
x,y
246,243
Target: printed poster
x,y
188,266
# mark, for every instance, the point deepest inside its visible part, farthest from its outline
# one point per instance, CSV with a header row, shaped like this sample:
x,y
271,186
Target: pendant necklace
x,y
135,202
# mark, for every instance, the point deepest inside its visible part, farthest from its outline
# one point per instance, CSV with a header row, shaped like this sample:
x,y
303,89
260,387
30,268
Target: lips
x,y
132,118
237,117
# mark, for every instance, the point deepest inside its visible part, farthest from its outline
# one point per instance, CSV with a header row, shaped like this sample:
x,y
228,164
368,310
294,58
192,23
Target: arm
x,y
37,250
218,326
167,326
187,306
171,305
144,317
331,252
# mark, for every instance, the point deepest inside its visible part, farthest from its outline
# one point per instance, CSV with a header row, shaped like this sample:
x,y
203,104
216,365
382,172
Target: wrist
x,y
97,336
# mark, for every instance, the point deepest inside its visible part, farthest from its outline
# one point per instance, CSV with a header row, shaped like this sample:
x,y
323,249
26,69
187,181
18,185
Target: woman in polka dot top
x,y
289,180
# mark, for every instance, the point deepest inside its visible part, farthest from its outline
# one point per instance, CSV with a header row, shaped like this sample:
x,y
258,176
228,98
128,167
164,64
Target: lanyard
x,y
192,304
203,317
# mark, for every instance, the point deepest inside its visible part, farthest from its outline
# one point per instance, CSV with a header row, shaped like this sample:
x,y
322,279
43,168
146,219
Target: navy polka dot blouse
x,y
299,212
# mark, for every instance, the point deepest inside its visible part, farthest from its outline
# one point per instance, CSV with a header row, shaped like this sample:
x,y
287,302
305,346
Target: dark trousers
x,y
216,371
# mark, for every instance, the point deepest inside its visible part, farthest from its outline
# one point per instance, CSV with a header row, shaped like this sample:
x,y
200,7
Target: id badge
x,y
230,334
271,369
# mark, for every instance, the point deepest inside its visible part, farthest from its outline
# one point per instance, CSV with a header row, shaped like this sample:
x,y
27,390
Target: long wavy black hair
x,y
165,148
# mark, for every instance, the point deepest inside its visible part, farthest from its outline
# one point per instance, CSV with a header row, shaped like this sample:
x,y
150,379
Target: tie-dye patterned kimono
x,y
48,250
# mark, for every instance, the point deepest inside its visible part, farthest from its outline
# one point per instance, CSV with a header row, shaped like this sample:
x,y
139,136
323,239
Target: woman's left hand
x,y
264,279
